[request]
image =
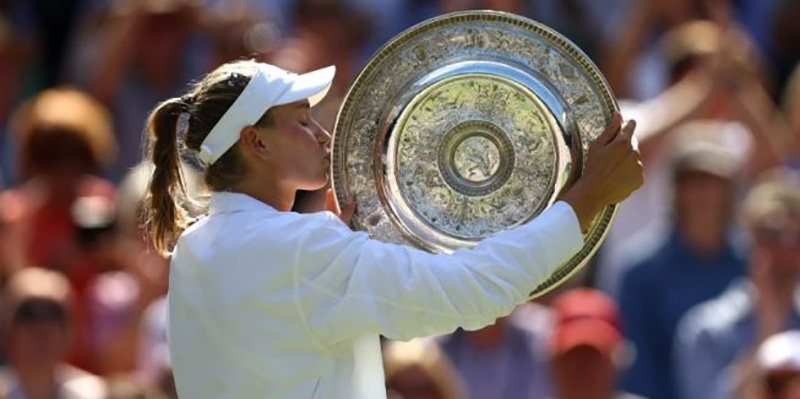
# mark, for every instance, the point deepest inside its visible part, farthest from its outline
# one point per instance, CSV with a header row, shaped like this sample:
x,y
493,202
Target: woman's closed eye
x,y
305,119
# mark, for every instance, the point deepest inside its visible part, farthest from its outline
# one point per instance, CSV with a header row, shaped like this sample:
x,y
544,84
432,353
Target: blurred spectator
x,y
64,137
694,263
715,73
49,27
777,371
155,365
37,324
633,61
14,55
785,37
715,79
151,49
716,341
418,369
791,108
237,32
587,347
327,32
122,387
506,360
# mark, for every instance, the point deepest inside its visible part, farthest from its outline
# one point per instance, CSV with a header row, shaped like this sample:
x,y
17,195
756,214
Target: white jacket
x,y
268,304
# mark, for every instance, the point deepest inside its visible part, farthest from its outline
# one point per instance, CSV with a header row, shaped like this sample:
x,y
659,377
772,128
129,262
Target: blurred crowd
x,y
694,295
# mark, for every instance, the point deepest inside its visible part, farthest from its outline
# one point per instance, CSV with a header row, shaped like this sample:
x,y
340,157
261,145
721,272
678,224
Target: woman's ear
x,y
252,143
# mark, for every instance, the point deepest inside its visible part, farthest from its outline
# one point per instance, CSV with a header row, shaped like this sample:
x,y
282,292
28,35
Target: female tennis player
x,y
268,303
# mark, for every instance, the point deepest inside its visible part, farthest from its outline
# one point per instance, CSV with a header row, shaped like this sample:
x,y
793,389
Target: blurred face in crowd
x,y
781,385
412,383
780,236
703,208
584,372
59,157
163,45
38,337
333,33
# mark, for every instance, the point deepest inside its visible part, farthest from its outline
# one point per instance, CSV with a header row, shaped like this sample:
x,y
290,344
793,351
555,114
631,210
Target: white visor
x,y
269,87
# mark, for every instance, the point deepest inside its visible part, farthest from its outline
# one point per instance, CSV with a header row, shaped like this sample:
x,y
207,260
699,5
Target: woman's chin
x,y
316,184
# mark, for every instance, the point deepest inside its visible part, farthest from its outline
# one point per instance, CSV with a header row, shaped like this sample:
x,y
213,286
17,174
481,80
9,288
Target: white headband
x,y
269,87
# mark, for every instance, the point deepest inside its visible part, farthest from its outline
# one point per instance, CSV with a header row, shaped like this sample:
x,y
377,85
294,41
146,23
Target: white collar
x,y
229,201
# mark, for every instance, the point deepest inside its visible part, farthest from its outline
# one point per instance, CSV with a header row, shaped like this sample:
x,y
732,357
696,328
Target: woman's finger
x,y
330,203
348,210
611,131
626,132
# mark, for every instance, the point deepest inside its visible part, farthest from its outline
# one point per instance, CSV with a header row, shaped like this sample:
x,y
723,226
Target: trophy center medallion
x,y
476,159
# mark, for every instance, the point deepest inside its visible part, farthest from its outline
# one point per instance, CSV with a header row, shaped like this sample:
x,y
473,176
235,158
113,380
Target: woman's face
x,y
298,147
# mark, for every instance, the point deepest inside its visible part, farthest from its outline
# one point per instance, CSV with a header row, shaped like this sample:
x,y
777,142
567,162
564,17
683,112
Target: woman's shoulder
x,y
276,227
318,219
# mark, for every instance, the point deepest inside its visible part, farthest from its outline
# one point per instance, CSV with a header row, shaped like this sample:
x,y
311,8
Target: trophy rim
x,y
599,227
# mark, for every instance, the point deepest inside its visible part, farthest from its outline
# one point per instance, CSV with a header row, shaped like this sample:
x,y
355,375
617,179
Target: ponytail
x,y
166,219
205,104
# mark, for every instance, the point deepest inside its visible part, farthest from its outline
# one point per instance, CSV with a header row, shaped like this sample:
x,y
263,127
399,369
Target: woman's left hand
x,y
344,211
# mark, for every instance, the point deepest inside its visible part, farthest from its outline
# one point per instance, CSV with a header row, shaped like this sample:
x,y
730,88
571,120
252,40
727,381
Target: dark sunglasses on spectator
x,y
40,310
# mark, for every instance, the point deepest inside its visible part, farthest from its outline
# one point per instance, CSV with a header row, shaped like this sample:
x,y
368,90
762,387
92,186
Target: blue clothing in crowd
x,y
518,368
713,335
655,295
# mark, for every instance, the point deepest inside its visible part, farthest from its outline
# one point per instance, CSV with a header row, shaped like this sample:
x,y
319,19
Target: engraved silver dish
x,y
466,125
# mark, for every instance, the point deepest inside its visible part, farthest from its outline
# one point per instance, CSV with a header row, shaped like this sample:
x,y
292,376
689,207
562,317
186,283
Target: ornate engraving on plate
x,y
453,155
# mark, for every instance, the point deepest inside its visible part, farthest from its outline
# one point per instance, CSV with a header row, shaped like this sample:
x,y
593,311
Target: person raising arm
x,y
265,302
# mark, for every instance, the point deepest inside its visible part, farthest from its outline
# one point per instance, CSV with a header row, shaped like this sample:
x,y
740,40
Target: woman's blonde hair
x,y
197,112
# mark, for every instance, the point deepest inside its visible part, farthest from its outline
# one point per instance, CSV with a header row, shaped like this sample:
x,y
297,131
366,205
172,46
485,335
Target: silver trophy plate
x,y
466,125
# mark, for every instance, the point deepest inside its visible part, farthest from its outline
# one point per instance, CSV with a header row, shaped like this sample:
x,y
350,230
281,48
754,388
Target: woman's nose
x,y
323,136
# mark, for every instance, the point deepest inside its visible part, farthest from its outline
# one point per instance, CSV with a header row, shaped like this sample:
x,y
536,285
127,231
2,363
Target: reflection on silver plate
x,y
466,125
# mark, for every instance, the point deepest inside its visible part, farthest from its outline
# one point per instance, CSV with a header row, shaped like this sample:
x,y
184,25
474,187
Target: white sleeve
x,y
348,284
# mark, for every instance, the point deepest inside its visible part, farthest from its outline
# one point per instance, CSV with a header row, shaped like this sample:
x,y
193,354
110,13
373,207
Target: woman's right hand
x,y
344,211
613,171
